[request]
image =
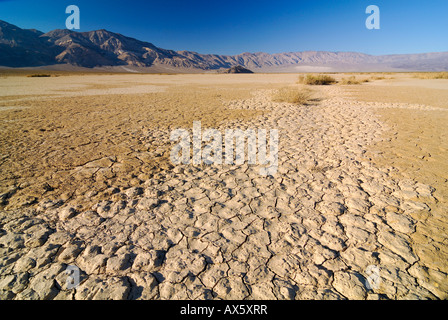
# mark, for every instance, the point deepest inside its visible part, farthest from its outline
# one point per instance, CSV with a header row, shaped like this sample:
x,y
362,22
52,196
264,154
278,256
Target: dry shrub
x,y
317,80
296,95
352,81
349,81
39,76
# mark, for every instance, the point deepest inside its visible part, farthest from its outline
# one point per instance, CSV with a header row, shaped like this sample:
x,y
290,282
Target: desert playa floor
x,y
86,180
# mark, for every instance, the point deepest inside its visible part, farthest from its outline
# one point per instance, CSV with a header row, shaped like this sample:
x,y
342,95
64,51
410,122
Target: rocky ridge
x,y
102,48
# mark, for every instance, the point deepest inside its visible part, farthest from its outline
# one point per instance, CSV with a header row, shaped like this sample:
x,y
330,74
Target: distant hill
x,y
24,48
237,69
113,51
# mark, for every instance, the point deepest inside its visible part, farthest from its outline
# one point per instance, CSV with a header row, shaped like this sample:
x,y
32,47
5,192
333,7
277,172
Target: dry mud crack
x,y
224,232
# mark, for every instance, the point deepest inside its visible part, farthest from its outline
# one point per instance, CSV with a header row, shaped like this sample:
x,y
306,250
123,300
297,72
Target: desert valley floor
x,y
86,180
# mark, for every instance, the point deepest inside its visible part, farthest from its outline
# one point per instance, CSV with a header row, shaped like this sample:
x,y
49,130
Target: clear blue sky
x,y
236,26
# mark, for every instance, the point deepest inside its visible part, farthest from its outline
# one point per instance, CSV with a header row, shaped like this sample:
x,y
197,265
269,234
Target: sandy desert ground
x,y
86,181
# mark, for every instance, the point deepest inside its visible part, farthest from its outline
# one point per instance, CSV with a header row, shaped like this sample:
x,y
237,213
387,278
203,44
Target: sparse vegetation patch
x,y
39,75
317,80
431,75
296,95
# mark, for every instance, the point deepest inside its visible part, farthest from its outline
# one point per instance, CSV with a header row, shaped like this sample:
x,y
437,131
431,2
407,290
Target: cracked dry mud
x,y
225,232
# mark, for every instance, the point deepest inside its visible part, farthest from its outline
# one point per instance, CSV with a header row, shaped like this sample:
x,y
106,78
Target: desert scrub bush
x,y
39,75
296,95
349,81
352,80
317,80
431,75
378,78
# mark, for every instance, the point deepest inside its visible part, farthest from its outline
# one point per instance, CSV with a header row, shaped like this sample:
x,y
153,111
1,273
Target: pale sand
x,y
86,181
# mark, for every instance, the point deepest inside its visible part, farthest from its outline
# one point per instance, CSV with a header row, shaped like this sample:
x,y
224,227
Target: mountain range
x,y
102,49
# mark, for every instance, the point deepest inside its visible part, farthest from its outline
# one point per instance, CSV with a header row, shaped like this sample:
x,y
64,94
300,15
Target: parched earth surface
x,y
323,227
